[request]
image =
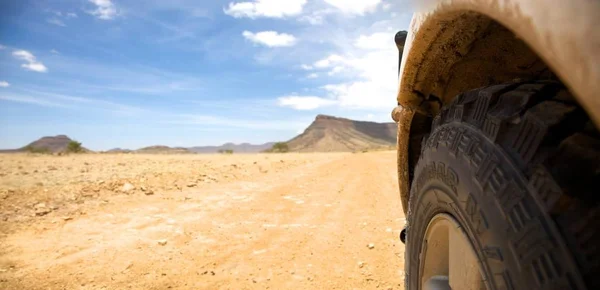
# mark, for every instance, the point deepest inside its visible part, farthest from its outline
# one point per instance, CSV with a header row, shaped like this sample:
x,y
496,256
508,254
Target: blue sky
x,y
132,73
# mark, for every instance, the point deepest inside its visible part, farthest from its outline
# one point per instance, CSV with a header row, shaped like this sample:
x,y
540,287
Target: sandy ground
x,y
289,221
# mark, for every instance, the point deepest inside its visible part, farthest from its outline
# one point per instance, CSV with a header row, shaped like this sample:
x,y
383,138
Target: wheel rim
x,y
448,261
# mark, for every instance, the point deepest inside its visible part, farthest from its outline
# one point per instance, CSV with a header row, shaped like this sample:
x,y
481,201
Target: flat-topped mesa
x,y
328,133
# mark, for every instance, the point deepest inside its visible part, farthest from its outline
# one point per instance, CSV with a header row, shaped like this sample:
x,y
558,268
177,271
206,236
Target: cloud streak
x,y
31,62
56,21
270,38
359,7
304,103
105,9
265,8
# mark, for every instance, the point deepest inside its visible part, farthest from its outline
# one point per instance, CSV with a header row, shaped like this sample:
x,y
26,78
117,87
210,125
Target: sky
x,y
132,73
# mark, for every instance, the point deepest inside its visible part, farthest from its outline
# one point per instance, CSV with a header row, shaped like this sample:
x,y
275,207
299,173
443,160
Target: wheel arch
x,y
458,45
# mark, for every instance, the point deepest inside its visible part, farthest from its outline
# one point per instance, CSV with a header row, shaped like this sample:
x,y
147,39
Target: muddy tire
x,y
517,167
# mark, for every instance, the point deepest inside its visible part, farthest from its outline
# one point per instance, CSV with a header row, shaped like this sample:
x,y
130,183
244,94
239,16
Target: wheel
x,y
505,193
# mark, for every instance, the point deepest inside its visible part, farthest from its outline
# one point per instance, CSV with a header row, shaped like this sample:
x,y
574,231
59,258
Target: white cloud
x,y
329,61
370,116
2,47
376,41
359,7
369,70
316,17
336,70
105,9
270,38
56,21
304,102
4,84
312,76
71,15
306,67
265,8
374,87
32,63
54,51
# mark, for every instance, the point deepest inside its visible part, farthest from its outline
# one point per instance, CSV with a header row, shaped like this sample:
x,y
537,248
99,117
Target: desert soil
x,y
280,221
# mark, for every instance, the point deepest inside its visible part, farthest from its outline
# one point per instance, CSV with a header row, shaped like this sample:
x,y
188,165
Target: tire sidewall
x,y
445,181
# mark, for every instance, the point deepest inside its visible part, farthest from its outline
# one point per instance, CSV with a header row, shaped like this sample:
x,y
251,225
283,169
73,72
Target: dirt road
x,y
306,226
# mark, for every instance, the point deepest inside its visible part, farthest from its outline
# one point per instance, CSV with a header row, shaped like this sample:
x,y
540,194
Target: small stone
x,y
191,184
127,187
87,194
371,246
361,264
67,218
148,192
42,211
162,242
40,205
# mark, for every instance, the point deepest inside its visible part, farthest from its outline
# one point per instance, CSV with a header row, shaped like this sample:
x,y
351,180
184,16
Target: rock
x,y
371,246
162,242
40,205
87,194
361,264
67,218
191,184
127,187
42,211
148,192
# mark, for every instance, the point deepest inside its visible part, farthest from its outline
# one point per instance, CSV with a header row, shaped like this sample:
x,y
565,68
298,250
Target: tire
x,y
517,166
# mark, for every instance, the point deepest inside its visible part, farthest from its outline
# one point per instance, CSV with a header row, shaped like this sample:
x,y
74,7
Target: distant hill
x,y
329,134
118,150
50,144
160,149
237,148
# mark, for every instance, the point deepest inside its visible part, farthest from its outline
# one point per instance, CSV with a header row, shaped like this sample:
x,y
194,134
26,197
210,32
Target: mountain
x,y
118,150
50,144
237,148
328,134
160,149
